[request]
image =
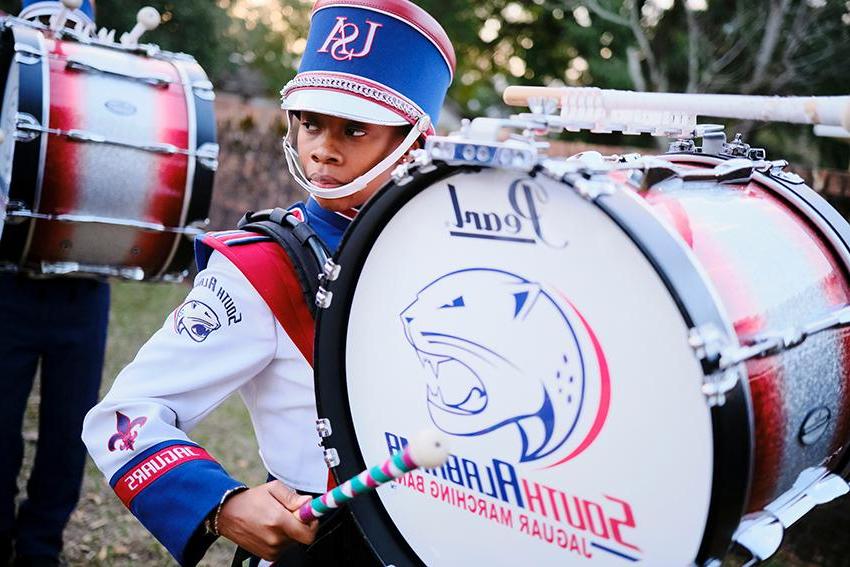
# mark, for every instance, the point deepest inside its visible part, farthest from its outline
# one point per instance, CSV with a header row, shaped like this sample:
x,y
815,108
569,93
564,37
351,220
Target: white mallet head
x,y
429,449
149,18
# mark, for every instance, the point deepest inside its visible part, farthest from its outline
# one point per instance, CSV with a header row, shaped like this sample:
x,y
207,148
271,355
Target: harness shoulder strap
x,y
301,243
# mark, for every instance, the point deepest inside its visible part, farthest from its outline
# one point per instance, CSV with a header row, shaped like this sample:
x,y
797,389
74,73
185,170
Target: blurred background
x,y
251,48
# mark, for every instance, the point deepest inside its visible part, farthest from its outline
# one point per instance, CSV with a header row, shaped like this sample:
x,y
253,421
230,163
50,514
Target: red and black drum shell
x,y
109,196
774,269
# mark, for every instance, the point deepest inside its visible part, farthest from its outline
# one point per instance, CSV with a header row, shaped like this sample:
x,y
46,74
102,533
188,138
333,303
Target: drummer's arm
x,y
137,433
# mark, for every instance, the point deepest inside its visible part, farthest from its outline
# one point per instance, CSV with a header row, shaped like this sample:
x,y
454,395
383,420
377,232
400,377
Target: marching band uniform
x,y
245,325
61,324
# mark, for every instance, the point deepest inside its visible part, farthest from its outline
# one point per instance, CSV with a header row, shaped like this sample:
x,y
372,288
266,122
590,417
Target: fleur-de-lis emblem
x,y
128,430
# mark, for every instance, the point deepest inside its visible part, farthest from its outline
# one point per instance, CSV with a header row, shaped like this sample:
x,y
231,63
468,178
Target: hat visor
x,y
342,105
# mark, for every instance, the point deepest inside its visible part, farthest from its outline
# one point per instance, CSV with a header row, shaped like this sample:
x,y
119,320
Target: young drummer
x,y
370,85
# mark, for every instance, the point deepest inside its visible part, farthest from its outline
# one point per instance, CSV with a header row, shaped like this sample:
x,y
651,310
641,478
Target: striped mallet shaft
x,y
428,450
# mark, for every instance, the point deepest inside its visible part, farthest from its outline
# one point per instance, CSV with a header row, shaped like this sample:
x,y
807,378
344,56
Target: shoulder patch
x,y
196,319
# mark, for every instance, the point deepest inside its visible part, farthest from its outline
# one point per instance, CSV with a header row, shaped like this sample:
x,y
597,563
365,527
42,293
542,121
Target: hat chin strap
x,y
358,184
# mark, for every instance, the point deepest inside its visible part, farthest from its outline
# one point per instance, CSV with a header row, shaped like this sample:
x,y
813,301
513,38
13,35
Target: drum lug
x,y
17,212
331,458
711,348
682,146
27,128
739,148
421,159
207,155
324,298
203,90
777,171
323,427
592,190
715,386
761,534
27,55
330,272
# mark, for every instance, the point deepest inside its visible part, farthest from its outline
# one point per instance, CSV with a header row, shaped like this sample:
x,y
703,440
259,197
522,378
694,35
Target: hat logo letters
x,y
344,33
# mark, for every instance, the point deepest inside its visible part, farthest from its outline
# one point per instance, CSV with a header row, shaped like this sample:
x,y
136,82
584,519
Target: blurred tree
x,y
187,26
776,47
780,47
196,27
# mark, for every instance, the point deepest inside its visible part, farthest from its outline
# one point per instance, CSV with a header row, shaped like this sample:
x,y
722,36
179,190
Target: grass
x,y
103,533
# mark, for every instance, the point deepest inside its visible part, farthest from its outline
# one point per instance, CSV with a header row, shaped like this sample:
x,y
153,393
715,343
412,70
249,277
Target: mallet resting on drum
x,y
428,449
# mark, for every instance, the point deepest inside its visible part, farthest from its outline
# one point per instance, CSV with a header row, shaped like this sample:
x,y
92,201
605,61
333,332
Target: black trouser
x,y
62,324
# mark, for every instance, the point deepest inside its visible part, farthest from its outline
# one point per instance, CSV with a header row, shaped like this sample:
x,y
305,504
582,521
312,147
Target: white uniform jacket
x,y
223,338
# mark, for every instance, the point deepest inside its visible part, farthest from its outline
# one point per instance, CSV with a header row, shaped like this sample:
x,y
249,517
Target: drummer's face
x,y
335,151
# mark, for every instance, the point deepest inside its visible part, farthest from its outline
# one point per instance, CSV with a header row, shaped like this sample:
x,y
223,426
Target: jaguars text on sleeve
x,y
218,339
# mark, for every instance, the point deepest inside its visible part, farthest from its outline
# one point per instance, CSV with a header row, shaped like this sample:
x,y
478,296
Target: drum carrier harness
x,y
300,242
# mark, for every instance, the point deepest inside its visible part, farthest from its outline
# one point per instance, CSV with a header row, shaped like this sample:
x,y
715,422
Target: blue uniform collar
x,y
329,225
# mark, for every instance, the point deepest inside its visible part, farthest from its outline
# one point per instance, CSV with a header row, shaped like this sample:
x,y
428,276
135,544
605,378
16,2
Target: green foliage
x,y
777,47
197,27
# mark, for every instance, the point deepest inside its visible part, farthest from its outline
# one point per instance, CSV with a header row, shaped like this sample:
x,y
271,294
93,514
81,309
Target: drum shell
x,y
720,227
696,306
774,270
118,193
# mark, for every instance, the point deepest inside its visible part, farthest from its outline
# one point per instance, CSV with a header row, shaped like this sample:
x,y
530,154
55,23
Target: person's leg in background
x,y
18,364
70,379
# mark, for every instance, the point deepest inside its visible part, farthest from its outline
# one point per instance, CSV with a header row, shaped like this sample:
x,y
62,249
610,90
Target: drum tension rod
x,y
720,358
157,81
717,356
792,337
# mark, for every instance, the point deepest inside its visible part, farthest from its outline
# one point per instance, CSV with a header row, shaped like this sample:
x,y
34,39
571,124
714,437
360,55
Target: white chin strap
x,y
422,125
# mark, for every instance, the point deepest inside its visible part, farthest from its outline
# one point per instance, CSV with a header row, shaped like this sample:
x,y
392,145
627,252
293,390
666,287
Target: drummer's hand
x,y
261,520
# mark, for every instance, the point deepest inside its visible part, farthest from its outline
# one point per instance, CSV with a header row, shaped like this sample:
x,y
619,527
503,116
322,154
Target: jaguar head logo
x,y
500,351
196,319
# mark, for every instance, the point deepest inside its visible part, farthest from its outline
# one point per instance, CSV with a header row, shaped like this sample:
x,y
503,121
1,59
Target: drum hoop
x,y
699,305
29,158
690,289
198,196
191,161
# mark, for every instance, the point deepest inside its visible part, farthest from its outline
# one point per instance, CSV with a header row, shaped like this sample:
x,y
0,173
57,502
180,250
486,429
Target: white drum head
x,y
520,320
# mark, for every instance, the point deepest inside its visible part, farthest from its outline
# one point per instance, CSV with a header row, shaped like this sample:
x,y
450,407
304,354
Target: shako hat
x,y
385,62
378,61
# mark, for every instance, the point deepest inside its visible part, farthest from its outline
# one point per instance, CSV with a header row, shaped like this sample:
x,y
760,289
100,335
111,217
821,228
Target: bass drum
x,y
572,335
108,155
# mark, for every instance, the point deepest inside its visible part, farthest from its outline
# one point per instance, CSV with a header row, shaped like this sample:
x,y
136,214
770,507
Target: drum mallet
x,y
428,450
148,19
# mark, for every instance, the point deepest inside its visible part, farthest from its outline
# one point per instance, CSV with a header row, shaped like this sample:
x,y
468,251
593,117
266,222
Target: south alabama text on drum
x,y
495,492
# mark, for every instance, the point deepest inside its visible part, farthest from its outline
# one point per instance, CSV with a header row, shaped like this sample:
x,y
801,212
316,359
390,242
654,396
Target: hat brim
x,y
342,105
